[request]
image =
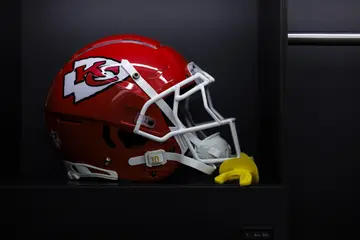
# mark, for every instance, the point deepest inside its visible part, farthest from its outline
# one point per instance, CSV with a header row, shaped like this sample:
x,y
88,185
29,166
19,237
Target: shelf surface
x,y
211,211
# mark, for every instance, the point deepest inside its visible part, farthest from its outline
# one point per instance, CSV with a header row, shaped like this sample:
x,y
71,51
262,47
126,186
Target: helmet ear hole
x,y
131,140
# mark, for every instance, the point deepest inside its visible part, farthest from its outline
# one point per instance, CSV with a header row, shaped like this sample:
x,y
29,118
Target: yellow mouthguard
x,y
242,168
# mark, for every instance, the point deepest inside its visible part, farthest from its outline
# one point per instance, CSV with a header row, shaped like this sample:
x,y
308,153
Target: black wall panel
x,y
322,128
322,122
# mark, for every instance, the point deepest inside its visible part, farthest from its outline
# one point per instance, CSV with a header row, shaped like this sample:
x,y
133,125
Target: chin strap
x,y
160,157
75,171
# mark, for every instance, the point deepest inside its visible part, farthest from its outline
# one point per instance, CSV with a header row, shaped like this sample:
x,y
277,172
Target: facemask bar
x,y
209,108
205,79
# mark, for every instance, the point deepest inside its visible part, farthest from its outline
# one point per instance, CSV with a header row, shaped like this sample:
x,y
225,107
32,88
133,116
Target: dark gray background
x,y
220,36
323,16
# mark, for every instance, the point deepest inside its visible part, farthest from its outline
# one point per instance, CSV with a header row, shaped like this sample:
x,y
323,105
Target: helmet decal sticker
x,y
91,76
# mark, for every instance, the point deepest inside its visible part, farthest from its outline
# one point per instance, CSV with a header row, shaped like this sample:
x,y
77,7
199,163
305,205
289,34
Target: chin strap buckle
x,y
155,158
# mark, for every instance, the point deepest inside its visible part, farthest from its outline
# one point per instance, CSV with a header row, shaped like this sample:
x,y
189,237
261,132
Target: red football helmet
x,y
113,111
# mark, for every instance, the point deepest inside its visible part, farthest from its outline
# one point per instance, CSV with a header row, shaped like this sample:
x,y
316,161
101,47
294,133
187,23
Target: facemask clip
x,y
155,158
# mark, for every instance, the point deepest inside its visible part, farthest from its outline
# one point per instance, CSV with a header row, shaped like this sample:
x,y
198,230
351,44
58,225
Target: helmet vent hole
x,y
106,136
130,140
167,120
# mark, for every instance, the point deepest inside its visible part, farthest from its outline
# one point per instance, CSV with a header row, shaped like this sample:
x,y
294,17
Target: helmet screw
x,y
151,122
135,76
107,161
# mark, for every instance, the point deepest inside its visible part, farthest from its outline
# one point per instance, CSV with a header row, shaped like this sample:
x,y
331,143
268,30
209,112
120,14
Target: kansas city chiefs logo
x,y
91,76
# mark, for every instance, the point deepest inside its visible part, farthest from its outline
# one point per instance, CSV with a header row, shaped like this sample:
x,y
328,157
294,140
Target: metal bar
x,y
324,39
